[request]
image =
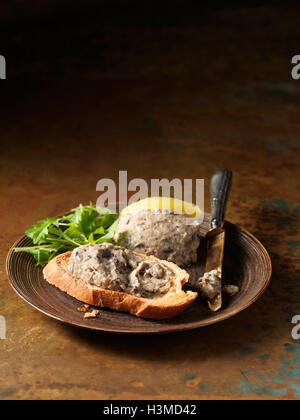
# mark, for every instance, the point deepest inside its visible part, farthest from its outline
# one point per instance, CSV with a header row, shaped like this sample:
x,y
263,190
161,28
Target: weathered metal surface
x,y
161,102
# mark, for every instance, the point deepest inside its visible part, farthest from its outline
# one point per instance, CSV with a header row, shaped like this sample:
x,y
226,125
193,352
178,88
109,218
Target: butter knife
x,y
211,283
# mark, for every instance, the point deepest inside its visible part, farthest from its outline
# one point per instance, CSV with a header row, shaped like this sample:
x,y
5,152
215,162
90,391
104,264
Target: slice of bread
x,y
167,305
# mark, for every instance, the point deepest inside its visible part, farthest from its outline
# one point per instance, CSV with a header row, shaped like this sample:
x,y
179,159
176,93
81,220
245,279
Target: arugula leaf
x,y
40,230
108,237
85,220
100,210
57,235
42,254
74,233
91,239
108,219
100,231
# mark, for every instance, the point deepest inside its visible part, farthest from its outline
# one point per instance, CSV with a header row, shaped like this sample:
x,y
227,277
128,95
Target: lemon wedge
x,y
164,203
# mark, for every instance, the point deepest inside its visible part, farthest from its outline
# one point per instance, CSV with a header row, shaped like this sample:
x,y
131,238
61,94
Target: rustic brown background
x,y
177,90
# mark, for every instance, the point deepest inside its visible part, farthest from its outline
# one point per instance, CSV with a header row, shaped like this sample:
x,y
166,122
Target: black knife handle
x,y
219,191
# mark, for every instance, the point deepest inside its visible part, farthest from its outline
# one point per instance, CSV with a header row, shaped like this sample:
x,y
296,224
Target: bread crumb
x,y
86,305
81,309
92,314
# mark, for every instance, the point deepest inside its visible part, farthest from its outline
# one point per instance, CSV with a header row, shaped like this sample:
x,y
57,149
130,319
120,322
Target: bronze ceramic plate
x,y
246,264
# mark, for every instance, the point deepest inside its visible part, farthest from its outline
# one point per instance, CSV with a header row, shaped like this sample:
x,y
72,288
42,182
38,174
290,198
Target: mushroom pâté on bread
x,y
113,277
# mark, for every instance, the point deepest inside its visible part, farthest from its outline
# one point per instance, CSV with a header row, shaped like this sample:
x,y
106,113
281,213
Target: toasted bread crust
x,y
56,273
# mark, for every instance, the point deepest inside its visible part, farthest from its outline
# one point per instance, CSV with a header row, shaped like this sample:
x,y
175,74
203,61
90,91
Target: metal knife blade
x,y
219,189
215,249
214,261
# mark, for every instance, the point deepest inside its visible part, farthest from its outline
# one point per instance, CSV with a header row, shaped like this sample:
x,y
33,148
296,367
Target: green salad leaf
x,y
39,231
83,225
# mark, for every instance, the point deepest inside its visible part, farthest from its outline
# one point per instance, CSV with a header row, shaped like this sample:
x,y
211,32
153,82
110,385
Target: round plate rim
x,y
163,330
